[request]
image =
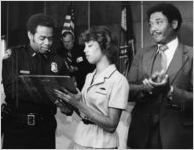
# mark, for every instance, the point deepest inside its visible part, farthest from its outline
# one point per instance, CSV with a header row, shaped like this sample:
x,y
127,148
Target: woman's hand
x,y
69,97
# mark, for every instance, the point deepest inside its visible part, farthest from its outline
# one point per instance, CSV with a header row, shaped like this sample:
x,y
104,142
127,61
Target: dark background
x,y
14,15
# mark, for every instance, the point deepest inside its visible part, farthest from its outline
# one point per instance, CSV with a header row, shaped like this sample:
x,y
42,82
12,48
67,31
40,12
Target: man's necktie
x,y
69,57
68,60
160,64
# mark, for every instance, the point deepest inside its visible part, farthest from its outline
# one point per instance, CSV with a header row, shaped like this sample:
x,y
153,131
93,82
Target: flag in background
x,y
69,25
126,39
71,12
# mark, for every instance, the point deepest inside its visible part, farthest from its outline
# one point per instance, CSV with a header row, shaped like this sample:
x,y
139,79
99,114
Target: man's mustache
x,y
155,32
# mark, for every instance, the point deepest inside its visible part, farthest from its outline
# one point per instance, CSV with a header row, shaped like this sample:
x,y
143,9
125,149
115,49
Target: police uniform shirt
x,y
109,89
24,60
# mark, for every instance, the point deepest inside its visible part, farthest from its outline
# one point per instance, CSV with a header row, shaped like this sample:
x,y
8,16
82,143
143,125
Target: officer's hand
x,y
5,111
74,81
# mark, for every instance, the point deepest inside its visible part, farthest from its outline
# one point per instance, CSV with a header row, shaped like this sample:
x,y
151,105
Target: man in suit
x,y
161,84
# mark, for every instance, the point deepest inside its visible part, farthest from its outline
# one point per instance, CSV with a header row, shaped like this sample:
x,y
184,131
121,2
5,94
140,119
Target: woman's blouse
x,y
109,89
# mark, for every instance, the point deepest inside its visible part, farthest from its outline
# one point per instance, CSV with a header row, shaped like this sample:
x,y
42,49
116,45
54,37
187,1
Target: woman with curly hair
x,y
104,95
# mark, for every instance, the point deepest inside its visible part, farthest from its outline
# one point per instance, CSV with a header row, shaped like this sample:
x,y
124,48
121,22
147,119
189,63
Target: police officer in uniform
x,y
74,57
27,122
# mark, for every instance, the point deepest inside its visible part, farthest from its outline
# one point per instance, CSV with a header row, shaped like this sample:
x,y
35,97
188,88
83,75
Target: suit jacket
x,y
175,112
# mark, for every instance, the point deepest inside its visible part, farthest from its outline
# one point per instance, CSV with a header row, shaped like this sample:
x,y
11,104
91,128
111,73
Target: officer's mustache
x,y
46,50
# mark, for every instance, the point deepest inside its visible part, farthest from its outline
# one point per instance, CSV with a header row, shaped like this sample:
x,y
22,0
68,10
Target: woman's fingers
x,y
65,90
68,96
62,95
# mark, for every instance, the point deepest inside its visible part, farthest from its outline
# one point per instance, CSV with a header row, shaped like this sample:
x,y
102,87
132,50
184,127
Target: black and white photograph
x,y
96,74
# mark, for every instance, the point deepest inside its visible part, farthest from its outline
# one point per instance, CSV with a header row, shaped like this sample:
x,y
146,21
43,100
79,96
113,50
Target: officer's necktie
x,y
160,63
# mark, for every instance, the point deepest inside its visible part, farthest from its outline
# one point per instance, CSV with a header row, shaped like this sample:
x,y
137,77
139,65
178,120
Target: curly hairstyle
x,y
39,19
169,10
103,36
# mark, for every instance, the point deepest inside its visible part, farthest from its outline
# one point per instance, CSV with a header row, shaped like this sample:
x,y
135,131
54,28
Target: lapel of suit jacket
x,y
148,60
176,63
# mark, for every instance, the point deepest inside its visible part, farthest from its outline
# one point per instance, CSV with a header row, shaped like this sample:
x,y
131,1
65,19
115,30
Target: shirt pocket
x,y
101,91
101,97
98,99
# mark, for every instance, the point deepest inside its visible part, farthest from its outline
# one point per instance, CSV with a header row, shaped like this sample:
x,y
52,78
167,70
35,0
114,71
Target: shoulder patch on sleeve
x,y
7,54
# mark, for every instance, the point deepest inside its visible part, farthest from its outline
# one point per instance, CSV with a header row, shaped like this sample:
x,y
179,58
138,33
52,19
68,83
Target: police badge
x,y
54,67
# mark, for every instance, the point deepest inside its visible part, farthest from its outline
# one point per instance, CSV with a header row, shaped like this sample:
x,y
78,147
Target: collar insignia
x,y
79,59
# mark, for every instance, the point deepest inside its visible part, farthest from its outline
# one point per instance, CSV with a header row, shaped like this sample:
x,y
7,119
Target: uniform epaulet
x,y
7,53
13,48
18,47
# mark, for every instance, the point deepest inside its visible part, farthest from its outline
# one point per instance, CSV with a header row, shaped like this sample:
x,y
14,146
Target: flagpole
x,y
7,22
88,14
44,7
142,24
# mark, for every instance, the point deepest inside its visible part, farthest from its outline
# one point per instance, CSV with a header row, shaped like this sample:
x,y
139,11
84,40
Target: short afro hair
x,y
39,19
169,10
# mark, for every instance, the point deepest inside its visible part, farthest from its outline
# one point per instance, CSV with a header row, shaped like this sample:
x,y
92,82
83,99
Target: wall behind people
x,y
100,13
87,14
15,14
59,10
14,17
109,14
